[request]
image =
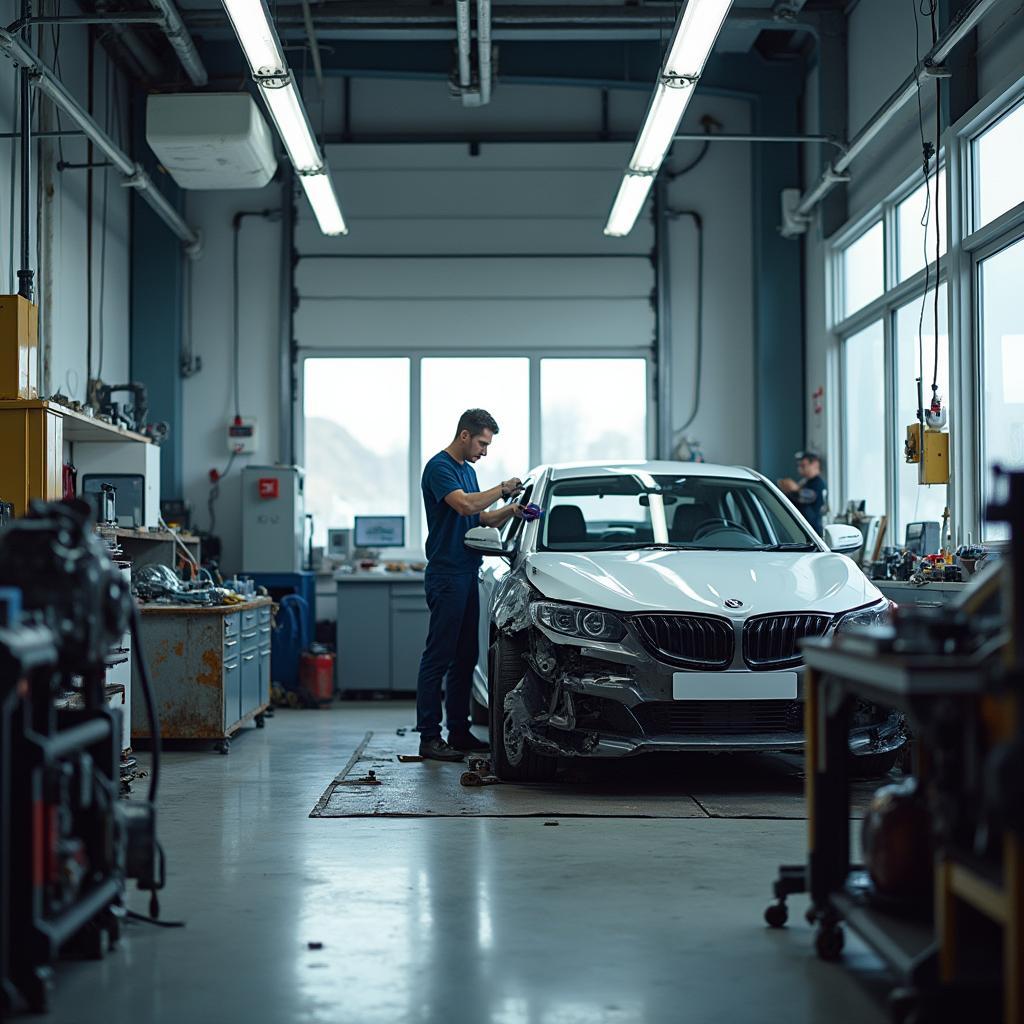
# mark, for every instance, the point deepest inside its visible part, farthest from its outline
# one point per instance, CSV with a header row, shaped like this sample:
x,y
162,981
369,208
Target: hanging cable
x,y
938,213
103,225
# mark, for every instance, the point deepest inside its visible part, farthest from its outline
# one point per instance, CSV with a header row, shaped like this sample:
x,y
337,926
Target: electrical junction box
x,y
934,465
273,518
242,437
207,140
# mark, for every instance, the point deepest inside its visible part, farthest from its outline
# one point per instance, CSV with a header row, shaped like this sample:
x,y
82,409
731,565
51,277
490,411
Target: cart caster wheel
x,y
829,942
38,990
776,915
260,721
269,713
223,746
905,1006
811,915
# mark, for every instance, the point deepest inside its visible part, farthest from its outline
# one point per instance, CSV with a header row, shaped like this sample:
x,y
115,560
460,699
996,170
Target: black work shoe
x,y
435,749
467,742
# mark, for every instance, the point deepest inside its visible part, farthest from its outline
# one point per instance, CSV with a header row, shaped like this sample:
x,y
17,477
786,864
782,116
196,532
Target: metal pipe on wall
x,y
835,174
25,277
45,80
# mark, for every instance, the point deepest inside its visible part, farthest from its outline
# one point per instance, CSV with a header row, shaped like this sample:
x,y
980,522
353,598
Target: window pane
x,y
916,501
912,241
501,386
864,417
1002,340
863,270
593,409
998,155
357,460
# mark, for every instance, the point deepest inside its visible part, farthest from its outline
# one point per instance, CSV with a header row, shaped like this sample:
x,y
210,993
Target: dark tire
x,y
506,669
478,714
829,942
776,915
874,766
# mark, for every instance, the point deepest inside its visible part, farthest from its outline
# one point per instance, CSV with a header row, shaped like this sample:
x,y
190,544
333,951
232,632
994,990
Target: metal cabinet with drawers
x,y
210,669
381,630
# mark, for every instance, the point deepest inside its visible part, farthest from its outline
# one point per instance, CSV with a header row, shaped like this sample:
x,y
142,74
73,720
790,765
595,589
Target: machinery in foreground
x,y
68,841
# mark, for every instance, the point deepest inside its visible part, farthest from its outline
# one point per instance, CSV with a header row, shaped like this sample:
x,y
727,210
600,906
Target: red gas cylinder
x,y
316,675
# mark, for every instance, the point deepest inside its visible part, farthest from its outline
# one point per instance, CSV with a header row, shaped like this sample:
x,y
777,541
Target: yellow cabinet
x,y
31,453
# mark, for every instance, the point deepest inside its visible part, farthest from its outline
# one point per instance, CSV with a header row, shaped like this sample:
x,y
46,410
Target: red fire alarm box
x,y
268,487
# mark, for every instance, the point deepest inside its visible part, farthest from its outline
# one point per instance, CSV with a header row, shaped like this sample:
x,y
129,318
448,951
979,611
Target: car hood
x,y
702,581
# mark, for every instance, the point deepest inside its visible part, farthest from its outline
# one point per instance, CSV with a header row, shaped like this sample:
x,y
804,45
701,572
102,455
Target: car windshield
x,y
626,511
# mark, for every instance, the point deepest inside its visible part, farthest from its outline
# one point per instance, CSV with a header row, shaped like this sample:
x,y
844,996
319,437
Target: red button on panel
x,y
268,487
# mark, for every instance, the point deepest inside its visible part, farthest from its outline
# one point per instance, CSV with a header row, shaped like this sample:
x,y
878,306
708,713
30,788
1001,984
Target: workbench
x,y
943,699
381,630
924,595
210,670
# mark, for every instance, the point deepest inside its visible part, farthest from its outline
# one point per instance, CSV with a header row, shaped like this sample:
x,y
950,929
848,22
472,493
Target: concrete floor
x,y
453,920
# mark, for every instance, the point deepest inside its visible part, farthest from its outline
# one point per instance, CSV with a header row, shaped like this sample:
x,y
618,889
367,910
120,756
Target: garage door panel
x,y
473,278
475,325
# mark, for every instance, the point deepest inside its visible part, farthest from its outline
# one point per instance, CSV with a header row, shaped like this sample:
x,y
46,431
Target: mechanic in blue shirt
x,y
809,492
454,505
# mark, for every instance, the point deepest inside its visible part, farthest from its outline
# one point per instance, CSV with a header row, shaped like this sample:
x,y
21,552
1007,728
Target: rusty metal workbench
x,y
210,669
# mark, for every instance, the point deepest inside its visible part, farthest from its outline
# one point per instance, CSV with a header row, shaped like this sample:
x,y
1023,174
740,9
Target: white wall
x,y
61,291
395,212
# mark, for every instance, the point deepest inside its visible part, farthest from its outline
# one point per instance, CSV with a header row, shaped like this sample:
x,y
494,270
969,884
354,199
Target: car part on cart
x,y
68,844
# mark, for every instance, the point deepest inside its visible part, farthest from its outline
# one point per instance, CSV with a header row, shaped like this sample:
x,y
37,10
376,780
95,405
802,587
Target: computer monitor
x,y
922,538
380,532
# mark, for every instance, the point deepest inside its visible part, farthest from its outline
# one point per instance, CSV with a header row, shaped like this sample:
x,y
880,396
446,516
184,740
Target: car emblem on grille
x,y
733,603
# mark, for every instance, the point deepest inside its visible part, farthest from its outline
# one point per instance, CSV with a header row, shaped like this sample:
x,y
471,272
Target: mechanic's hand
x,y
789,485
510,488
518,511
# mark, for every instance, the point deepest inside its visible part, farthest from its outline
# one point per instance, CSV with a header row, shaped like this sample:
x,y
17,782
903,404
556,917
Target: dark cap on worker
x,y
807,453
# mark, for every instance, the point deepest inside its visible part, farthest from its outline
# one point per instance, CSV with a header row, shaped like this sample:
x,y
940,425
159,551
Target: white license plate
x,y
734,686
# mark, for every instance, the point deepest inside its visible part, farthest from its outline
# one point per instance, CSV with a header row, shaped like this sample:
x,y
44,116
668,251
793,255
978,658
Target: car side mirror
x,y
842,538
486,540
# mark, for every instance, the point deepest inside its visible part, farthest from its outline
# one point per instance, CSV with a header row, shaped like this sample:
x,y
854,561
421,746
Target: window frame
x,y
883,309
415,538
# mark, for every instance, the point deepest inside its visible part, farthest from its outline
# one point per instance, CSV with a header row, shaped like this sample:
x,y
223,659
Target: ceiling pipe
x,y
483,40
462,41
838,172
44,79
314,46
181,40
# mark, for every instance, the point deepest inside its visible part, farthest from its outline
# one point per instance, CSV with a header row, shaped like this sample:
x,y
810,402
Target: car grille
x,y
719,717
772,641
696,641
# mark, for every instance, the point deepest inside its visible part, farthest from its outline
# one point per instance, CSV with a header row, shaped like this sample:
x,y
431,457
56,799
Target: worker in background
x,y
454,505
808,493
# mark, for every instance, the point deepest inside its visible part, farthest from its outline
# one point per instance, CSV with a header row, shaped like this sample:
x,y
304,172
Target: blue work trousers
x,y
450,655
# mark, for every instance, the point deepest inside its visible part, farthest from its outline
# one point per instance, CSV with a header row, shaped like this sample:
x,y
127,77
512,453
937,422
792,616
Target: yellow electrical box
x,y
934,466
31,453
19,347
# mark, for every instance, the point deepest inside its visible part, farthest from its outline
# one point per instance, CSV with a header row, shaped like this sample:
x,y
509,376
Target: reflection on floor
x,y
450,920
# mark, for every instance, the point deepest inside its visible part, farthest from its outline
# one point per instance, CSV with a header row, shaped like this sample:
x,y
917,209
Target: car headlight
x,y
879,614
585,623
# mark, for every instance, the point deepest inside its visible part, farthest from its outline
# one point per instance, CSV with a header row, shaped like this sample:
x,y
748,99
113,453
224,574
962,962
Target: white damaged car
x,y
659,606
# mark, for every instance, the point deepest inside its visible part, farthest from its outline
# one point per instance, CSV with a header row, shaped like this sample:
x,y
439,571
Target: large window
x,y
357,440
371,423
998,154
918,502
917,218
1001,320
864,417
593,409
863,269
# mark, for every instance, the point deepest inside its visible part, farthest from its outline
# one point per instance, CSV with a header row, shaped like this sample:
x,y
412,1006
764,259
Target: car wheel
x,y
511,757
478,714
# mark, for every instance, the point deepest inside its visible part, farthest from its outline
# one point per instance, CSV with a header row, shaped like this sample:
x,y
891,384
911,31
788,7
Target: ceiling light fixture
x,y
692,42
255,30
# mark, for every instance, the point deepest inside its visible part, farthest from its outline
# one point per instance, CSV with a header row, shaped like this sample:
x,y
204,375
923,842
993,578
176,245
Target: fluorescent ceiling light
x,y
663,117
289,115
692,42
628,204
695,37
322,198
251,22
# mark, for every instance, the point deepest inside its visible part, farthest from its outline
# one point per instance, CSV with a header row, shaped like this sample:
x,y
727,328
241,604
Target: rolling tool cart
x,y
957,675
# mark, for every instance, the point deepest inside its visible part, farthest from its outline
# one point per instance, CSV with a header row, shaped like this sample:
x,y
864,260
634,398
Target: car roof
x,y
578,470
